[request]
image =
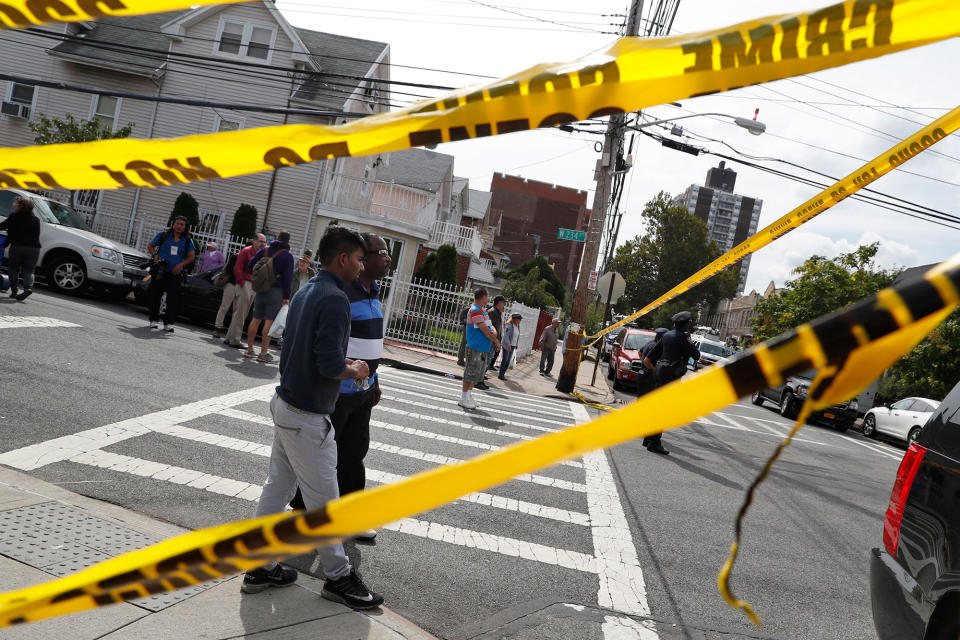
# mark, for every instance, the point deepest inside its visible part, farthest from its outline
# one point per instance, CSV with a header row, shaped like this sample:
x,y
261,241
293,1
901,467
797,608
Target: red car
x,y
625,356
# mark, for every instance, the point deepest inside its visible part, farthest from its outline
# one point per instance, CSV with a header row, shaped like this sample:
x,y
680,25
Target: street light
x,y
753,126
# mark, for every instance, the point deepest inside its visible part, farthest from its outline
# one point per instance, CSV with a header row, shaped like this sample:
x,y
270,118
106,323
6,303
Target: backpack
x,y
263,275
225,275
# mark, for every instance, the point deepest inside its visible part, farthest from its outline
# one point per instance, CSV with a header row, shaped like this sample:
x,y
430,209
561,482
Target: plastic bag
x,y
276,329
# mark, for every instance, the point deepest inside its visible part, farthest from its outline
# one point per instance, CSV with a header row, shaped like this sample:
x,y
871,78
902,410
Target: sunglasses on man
x,y
379,252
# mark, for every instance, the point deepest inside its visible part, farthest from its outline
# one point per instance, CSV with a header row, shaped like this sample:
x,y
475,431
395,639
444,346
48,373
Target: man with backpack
x,y
271,280
243,290
172,250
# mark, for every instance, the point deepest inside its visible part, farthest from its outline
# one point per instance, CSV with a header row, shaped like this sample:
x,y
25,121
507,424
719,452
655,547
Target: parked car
x,y
903,419
791,394
199,298
606,344
711,351
915,576
72,257
624,360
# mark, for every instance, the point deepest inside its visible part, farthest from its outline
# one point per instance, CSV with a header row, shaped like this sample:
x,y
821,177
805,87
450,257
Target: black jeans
x,y
169,283
546,360
351,428
23,262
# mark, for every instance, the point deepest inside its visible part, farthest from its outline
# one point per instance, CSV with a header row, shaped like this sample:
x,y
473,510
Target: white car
x,y
711,352
71,256
903,419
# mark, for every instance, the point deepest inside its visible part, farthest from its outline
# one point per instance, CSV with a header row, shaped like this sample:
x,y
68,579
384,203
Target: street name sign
x,y
571,234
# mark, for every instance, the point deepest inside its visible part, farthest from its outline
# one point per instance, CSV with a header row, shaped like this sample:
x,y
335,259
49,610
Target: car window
x,y
903,405
921,406
712,349
635,341
6,203
65,215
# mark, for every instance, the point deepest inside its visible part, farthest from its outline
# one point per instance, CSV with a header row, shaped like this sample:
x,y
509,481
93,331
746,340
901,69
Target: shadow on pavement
x,y
144,333
254,369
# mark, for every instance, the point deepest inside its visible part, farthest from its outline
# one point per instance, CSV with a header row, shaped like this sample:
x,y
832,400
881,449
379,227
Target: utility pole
x,y
612,144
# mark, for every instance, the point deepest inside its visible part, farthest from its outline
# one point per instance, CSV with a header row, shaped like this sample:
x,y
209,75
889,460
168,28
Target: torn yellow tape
x,y
892,327
635,73
30,13
834,194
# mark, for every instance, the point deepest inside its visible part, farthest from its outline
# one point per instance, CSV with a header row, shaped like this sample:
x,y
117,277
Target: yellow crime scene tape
x,y
853,346
634,73
834,194
31,13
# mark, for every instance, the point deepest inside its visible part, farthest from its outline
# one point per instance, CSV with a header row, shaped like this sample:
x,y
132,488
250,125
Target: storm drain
x,y
61,540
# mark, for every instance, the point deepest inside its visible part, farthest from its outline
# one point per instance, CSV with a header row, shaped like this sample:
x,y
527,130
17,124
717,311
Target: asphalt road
x,y
177,426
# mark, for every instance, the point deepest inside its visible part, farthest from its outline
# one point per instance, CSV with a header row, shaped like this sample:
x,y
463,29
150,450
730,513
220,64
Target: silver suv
x,y
71,256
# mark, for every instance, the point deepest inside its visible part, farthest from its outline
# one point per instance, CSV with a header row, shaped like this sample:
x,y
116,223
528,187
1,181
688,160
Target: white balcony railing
x,y
384,200
465,239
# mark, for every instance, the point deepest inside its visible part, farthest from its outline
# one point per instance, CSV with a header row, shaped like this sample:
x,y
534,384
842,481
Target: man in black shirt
x,y
669,361
646,381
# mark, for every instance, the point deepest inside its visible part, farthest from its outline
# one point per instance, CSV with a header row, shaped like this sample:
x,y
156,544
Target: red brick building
x,y
528,215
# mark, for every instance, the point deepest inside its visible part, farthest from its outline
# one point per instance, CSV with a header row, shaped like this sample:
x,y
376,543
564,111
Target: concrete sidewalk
x,y
47,531
524,377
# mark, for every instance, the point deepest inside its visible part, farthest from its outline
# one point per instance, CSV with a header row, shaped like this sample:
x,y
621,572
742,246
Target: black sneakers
x,y
259,579
351,591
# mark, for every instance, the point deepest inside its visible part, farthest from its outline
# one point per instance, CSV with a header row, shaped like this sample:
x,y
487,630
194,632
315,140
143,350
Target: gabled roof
x,y
141,31
479,204
418,168
913,274
336,56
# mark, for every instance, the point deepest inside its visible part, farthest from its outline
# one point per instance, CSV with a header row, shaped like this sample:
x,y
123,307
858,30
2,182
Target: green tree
x,y
531,289
446,269
54,130
821,286
675,246
186,206
930,369
553,285
244,221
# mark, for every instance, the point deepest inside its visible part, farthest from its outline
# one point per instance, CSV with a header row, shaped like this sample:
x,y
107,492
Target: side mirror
x,y
887,405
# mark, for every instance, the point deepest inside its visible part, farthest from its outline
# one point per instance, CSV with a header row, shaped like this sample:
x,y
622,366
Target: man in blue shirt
x,y
312,365
351,418
172,251
480,336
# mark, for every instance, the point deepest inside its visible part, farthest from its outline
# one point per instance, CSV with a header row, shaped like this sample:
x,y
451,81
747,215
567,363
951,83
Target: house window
x,y
23,93
106,108
231,38
245,40
225,124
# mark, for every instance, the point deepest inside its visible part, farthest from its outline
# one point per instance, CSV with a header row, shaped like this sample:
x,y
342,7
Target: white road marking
x,y
497,544
730,422
449,439
380,408
756,425
461,412
622,587
65,447
515,398
443,460
875,450
22,322
499,502
781,436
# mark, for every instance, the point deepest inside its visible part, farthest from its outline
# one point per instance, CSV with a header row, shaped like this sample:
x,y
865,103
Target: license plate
x,y
829,415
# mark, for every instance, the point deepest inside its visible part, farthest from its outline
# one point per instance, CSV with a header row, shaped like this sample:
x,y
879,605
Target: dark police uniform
x,y
671,355
646,381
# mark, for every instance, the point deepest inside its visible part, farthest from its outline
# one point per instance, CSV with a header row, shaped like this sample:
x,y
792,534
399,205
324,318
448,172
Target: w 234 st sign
x,y
571,234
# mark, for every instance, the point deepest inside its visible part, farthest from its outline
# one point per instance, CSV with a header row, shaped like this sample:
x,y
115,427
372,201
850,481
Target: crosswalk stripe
x,y
556,483
499,502
23,322
380,408
497,544
436,382
461,412
450,439
170,473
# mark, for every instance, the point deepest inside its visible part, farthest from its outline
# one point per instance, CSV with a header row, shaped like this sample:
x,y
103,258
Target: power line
x,y
529,17
525,18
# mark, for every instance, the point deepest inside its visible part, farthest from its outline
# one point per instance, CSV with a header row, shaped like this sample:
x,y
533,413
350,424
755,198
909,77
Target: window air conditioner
x,y
15,109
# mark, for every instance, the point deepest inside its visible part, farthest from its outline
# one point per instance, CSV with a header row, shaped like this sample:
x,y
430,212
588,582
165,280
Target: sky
x,y
830,121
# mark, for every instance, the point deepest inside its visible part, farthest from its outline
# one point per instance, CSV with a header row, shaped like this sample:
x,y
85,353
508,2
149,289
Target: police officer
x,y
645,378
668,358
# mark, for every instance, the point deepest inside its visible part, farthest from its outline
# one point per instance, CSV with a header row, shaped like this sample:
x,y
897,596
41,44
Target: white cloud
x,y
777,261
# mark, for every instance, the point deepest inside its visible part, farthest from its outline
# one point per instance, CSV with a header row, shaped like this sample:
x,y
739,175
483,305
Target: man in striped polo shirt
x,y
351,418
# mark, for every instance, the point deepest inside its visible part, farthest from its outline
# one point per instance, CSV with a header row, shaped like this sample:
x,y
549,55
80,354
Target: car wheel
x,y
786,406
757,399
870,426
913,435
67,274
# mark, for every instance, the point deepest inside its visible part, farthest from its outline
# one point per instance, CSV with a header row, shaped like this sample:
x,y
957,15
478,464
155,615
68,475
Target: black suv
x,y
790,396
915,577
